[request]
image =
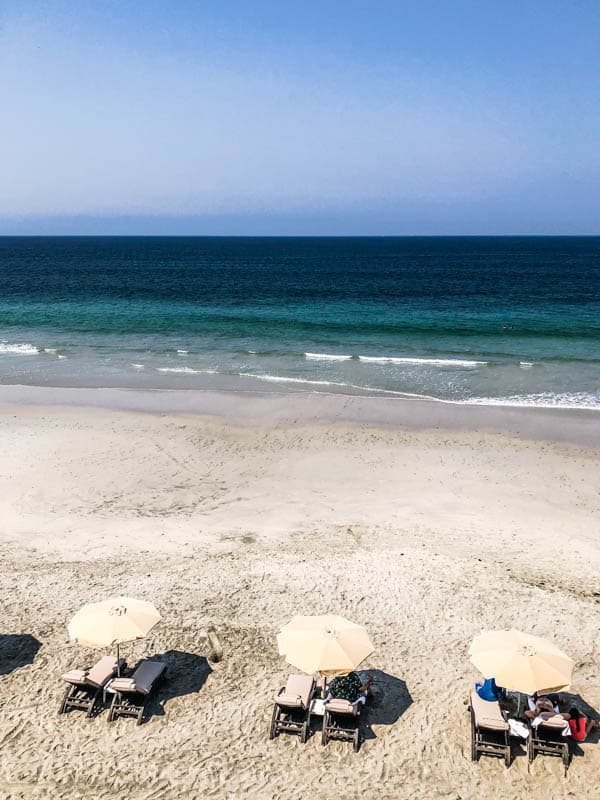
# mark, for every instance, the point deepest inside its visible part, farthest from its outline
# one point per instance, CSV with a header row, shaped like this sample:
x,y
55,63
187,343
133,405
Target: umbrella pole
x,y
118,663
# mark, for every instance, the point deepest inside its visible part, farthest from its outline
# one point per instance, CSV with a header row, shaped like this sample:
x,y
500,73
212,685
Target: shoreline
x,y
566,425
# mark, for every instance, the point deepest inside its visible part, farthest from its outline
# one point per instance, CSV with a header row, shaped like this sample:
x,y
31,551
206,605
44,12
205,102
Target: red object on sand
x,y
578,728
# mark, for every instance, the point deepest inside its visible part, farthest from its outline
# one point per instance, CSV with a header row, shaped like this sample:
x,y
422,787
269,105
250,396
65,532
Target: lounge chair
x,y
130,694
292,703
85,686
490,734
547,738
341,720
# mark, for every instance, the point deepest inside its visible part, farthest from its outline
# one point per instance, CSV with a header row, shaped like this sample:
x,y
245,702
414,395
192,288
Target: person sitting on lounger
x,y
542,705
556,698
545,711
349,687
546,707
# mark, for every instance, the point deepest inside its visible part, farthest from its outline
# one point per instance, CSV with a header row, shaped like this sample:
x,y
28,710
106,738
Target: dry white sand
x,y
426,537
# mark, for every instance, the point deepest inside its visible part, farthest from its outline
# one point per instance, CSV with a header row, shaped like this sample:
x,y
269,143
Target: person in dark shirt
x,y
349,687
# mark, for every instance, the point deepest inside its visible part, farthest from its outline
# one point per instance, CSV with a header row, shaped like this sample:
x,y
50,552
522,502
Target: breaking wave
x,y
327,357
435,362
19,349
187,370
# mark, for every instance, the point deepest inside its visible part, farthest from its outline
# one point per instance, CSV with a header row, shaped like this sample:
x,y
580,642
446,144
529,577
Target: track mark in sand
x,y
10,734
547,584
356,533
181,464
216,648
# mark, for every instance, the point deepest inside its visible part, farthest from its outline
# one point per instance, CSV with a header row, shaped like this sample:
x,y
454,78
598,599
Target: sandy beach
x,y
231,523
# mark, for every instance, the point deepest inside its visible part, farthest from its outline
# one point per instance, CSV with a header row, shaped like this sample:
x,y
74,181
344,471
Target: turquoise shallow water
x,y
481,320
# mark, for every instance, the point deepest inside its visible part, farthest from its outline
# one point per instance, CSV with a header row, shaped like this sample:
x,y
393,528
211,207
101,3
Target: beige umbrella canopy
x,y
521,662
328,644
112,622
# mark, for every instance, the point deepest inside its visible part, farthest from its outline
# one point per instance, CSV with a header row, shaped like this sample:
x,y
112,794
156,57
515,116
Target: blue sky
x,y
320,117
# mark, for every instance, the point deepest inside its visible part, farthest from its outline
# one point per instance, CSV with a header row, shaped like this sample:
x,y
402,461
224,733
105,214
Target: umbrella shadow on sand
x,y
389,702
186,674
17,650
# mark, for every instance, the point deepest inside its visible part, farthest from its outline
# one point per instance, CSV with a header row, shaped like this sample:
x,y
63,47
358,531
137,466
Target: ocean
x,y
483,320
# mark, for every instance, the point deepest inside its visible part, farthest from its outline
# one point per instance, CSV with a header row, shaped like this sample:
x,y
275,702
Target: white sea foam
x,y
566,400
526,364
327,357
62,357
435,362
51,350
283,379
366,389
582,400
575,400
138,366
187,370
182,352
18,349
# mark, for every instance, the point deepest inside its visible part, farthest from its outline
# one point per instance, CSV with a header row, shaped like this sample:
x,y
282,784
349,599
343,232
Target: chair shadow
x,y
186,674
17,650
389,701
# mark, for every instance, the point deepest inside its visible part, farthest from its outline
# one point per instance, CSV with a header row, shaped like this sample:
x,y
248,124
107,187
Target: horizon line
x,y
299,235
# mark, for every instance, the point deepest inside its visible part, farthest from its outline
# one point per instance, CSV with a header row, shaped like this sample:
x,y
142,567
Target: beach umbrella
x,y
521,662
112,622
327,644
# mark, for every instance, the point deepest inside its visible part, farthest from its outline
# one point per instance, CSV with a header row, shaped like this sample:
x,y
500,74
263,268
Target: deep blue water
x,y
480,319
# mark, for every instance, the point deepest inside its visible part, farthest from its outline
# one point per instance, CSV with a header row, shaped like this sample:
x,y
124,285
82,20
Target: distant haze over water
x,y
491,320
